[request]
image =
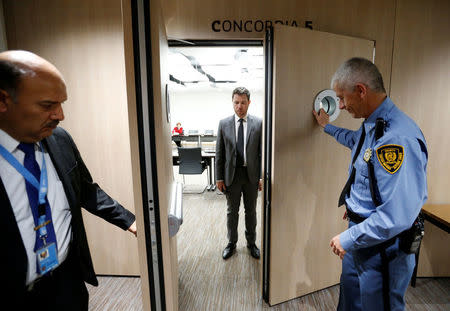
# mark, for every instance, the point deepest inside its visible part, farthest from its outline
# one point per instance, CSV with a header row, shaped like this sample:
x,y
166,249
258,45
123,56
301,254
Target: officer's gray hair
x,y
241,91
358,70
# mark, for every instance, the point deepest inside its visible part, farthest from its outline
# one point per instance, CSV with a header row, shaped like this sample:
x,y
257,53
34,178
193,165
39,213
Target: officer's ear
x,y
361,90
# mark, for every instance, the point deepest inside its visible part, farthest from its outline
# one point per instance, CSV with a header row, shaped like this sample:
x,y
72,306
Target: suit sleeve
x,y
343,136
97,201
220,155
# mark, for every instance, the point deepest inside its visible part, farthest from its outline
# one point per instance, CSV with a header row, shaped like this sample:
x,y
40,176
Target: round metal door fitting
x,y
327,100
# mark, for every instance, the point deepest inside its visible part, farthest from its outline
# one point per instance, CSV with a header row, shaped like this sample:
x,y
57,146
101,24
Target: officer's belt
x,y
353,217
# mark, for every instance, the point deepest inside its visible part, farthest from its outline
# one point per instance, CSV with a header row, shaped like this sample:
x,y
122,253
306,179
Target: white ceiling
x,y
203,68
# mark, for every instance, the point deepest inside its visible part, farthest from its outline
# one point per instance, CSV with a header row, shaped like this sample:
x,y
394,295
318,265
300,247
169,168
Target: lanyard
x,y
41,186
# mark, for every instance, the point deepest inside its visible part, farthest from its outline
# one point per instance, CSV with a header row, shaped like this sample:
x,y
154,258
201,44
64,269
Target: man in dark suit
x,y
238,169
43,185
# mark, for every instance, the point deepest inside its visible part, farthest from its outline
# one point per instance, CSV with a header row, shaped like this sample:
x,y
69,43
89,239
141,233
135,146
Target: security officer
x,y
384,194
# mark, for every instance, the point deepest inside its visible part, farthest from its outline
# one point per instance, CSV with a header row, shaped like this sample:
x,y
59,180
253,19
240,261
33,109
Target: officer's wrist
x,y
346,240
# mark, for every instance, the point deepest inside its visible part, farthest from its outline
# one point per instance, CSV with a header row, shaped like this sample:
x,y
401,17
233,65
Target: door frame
x,y
143,71
267,45
146,138
267,155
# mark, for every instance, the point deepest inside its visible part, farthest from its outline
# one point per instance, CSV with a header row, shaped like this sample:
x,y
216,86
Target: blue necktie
x,y
33,196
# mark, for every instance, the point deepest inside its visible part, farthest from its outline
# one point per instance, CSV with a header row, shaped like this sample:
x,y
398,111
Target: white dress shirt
x,y
14,184
244,123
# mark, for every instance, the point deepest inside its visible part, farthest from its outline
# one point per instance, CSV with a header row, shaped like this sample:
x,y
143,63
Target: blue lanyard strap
x,y
42,185
39,212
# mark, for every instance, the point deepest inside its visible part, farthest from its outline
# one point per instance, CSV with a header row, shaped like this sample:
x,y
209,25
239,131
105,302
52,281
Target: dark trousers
x,y
61,289
249,190
361,286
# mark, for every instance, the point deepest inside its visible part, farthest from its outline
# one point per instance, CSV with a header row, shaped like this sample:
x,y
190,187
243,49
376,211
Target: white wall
x,y
202,110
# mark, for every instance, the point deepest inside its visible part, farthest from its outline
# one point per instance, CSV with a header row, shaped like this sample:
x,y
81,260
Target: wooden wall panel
x,y
373,20
84,39
3,45
420,87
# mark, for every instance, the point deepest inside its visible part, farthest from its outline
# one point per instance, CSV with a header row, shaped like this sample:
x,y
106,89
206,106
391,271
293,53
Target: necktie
x,y
240,144
33,196
351,179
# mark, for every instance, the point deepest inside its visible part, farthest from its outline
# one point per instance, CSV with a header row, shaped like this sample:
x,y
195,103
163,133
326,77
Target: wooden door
x,y
309,168
146,51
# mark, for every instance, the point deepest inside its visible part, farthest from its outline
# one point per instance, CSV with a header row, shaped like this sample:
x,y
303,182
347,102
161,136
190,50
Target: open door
x,y
146,52
308,169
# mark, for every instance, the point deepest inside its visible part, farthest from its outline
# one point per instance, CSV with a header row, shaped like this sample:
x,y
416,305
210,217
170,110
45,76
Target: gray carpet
x,y
207,282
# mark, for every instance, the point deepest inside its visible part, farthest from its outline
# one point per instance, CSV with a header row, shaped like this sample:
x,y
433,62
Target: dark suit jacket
x,y
226,149
81,191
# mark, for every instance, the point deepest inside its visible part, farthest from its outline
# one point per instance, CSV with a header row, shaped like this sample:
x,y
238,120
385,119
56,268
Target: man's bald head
x,y
17,64
32,91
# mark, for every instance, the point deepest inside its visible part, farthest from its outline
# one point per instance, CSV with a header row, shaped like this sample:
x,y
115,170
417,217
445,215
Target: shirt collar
x,y
7,141
381,112
236,118
11,143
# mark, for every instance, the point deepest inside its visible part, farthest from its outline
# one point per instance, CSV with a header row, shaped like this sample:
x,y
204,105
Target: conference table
x,y
208,156
197,137
438,215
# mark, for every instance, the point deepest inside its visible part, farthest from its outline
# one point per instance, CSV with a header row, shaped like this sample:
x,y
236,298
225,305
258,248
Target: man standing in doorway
x,y
386,188
238,169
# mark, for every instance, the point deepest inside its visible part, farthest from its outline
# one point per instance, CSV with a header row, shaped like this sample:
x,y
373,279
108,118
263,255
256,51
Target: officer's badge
x,y
391,157
367,154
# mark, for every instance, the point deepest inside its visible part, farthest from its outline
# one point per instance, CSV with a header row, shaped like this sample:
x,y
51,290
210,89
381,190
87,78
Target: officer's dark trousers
x,y
241,186
361,286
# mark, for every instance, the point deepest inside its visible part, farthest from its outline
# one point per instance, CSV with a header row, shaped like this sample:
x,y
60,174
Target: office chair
x,y
190,161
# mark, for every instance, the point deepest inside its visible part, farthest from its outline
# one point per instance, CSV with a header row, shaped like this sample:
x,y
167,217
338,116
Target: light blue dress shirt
x,y
403,193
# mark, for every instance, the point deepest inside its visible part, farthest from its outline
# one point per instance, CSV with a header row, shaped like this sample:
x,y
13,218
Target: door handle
x,y
176,209
327,100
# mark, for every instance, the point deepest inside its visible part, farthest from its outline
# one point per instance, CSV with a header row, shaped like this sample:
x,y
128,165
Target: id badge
x,y
47,258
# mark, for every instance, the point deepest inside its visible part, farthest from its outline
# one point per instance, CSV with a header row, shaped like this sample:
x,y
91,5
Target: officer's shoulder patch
x,y
391,157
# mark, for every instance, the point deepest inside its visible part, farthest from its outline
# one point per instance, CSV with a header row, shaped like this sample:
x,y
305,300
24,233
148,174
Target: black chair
x,y
190,163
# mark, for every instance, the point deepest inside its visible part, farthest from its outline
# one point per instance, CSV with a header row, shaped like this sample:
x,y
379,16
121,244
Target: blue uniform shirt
x,y
400,161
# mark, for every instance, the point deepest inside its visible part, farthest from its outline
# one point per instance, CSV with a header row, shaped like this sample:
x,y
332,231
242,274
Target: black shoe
x,y
228,251
254,251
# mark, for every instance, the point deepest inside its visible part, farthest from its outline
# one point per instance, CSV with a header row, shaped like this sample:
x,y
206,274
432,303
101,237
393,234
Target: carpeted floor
x,y
207,282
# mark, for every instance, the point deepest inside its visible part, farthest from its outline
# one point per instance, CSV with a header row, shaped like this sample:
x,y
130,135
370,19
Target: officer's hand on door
x,y
336,247
322,117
